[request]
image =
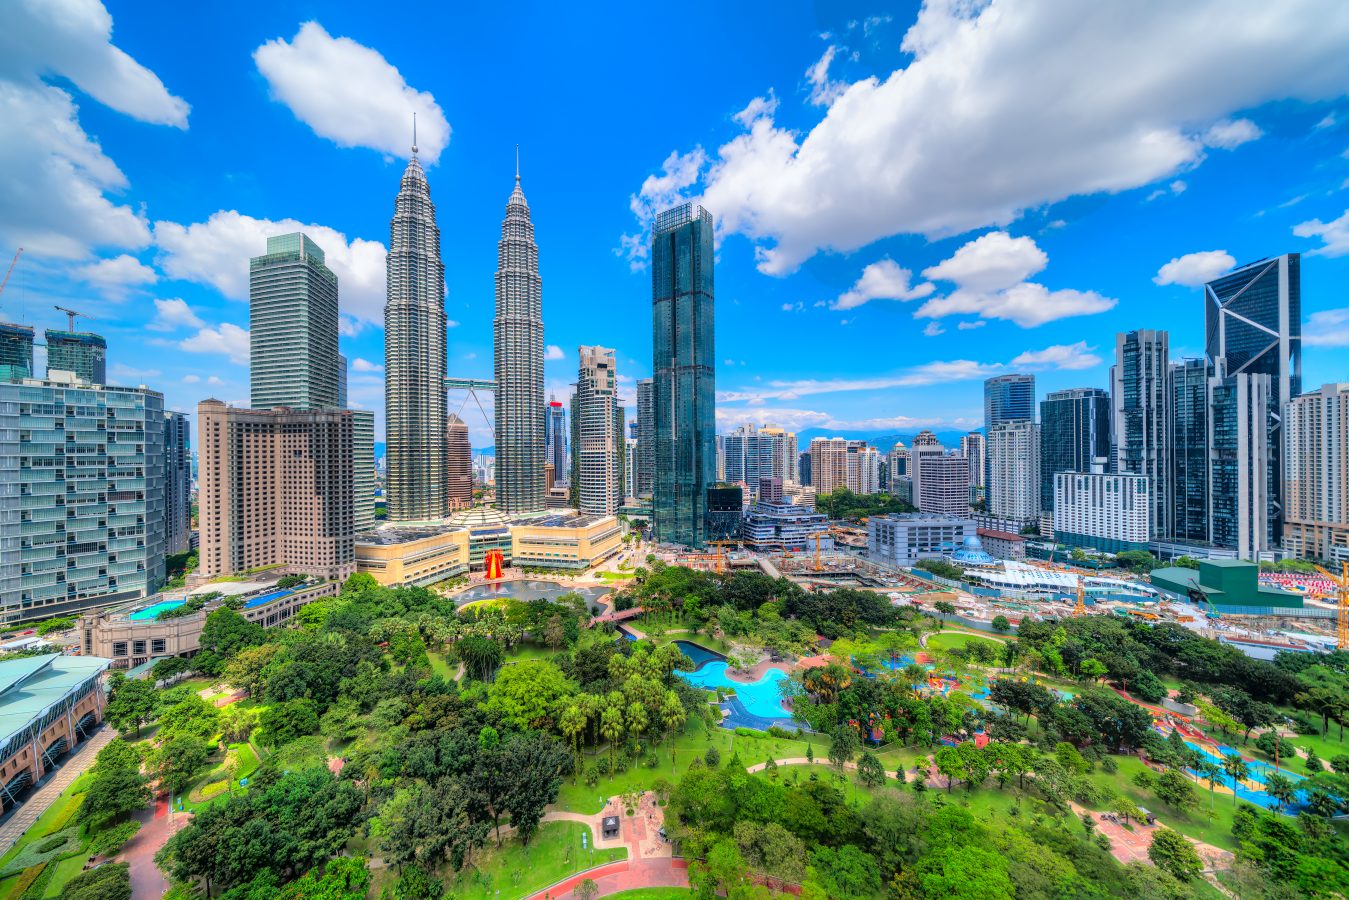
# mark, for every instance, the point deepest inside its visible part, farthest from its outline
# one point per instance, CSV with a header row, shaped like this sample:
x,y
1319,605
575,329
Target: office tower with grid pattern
x,y
81,352
276,490
644,471
1009,398
555,451
683,362
459,454
1141,399
292,326
1316,485
177,483
1014,466
16,351
1189,450
975,447
518,343
416,487
1242,414
1074,434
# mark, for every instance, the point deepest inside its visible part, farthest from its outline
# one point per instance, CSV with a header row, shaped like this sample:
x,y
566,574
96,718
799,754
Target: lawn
x,y
55,815
1210,821
517,871
440,666
524,651
950,640
66,869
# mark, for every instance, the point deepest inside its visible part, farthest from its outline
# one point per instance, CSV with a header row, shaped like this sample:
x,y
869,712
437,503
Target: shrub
x,y
750,732
602,765
51,843
592,775
25,880
652,762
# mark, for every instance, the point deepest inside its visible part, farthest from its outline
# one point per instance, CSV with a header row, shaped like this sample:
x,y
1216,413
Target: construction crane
x,y
1081,608
721,553
12,263
819,567
1341,583
70,317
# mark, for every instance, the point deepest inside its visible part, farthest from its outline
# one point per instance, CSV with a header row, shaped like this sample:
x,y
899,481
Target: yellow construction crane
x,y
721,553
1081,608
819,567
70,317
1341,583
12,263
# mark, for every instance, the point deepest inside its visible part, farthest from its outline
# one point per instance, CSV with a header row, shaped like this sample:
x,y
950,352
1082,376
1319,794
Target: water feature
x,y
525,590
757,704
153,610
1257,772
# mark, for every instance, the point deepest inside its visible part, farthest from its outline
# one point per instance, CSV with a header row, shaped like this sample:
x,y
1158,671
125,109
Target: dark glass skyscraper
x,y
683,360
1253,319
1009,398
1141,403
555,451
518,342
292,327
1074,433
1189,450
646,438
417,487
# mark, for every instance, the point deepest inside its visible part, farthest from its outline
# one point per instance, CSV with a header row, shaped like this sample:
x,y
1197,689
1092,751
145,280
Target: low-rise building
x,y
571,541
904,538
48,706
1003,544
411,555
781,526
1231,585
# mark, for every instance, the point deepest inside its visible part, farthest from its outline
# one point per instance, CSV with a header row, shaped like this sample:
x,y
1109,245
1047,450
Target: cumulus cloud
x,y
1071,357
58,184
216,253
191,379
990,275
662,191
364,365
970,326
932,329
824,90
968,135
554,352
794,419
1194,269
883,280
1334,235
228,340
938,372
174,313
1328,328
117,274
351,94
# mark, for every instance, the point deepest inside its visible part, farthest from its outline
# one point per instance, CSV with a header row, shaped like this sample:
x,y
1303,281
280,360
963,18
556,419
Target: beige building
x,y
568,541
459,460
408,555
1316,475
275,490
828,464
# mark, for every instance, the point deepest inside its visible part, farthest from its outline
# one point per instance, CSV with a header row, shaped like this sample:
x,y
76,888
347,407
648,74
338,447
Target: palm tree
x,y
611,728
1281,788
1235,768
1209,771
572,723
672,716
637,719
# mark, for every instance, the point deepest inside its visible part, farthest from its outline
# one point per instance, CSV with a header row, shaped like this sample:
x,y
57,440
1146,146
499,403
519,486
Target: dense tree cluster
x,y
842,503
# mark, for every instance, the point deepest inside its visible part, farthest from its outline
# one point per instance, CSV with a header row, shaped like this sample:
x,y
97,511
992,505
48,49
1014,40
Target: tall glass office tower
x,y
644,473
1074,433
556,449
1189,450
683,361
416,488
1009,398
292,326
518,342
1142,416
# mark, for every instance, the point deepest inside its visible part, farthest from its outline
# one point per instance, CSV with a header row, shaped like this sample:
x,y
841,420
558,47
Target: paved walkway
x,y
158,824
45,796
624,875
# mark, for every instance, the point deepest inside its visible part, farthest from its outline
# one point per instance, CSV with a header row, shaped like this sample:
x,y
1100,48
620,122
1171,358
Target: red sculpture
x,y
495,563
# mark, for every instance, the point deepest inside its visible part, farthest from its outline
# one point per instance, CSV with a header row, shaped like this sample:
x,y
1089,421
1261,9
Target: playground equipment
x,y
1341,583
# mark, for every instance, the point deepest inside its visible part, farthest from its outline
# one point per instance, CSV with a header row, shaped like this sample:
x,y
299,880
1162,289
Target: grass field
x,y
950,640
517,871
66,869
440,666
55,814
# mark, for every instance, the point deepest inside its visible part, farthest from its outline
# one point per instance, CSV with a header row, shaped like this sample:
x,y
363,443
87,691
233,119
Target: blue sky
x,y
909,198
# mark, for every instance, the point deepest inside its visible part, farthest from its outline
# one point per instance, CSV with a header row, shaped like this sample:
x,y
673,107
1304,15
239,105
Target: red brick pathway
x,y
624,875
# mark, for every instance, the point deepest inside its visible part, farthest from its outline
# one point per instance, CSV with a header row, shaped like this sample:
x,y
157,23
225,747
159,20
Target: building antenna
x,y
517,163
414,134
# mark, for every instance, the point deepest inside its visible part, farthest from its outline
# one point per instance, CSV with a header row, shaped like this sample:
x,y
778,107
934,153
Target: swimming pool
x,y
266,598
1257,772
153,611
759,702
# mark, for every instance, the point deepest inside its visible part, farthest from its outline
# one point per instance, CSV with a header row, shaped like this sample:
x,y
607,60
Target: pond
x,y
525,590
757,704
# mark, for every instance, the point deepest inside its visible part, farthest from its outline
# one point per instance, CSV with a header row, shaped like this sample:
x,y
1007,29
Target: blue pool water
x,y
755,705
154,610
1259,771
267,598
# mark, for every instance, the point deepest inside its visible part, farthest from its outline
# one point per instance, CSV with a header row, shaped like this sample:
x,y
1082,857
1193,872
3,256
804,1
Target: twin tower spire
x,y
417,486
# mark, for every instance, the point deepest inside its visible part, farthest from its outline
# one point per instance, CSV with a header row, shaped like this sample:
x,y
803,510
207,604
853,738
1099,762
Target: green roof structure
x,y
1225,583
31,687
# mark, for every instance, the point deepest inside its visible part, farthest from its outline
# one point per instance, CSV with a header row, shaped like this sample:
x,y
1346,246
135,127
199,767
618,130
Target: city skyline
x,y
165,286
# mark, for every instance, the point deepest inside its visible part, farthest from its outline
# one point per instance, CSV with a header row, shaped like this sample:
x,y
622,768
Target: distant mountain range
x,y
881,440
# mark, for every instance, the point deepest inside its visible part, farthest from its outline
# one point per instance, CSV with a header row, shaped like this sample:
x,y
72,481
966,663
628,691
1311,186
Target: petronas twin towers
x,y
417,487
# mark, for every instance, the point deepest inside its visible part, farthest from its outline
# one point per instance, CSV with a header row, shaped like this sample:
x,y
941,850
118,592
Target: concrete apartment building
x,y
1316,481
276,489
903,539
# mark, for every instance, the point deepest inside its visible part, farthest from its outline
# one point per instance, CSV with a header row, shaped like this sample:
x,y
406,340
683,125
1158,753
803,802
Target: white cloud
x,y
1174,188
124,373
1334,235
758,108
824,91
350,94
660,192
191,379
800,419
57,180
215,380
216,252
968,134
174,313
883,280
364,365
228,339
990,272
554,352
932,329
1230,134
1328,328
1071,357
1194,269
1327,122
970,326
116,274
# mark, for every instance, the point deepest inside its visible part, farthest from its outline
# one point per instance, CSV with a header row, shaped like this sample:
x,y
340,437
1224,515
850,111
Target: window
x,y
138,648
119,648
158,645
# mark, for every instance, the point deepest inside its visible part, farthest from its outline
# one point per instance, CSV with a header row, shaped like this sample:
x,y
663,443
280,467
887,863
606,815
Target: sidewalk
x,y
32,808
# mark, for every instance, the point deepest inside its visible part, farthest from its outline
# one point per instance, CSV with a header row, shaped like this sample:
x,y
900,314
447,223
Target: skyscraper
x,y
459,458
1009,398
683,362
1241,470
518,342
555,449
292,327
363,470
1014,464
974,446
16,351
81,352
177,483
1189,450
596,452
1142,417
1316,489
416,488
1074,434
645,474
941,482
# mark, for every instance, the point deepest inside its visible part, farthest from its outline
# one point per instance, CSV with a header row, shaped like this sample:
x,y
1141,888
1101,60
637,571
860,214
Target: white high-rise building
x,y
1103,512
941,482
1316,480
596,450
1014,466
974,447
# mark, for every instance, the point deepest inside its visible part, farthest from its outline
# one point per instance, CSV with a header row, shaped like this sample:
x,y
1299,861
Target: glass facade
x,y
1253,319
16,351
1009,398
1243,514
292,327
1189,450
1142,416
81,352
684,363
1074,433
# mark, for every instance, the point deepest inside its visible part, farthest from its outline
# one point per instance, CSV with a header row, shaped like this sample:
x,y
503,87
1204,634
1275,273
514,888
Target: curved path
x,y
623,875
